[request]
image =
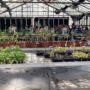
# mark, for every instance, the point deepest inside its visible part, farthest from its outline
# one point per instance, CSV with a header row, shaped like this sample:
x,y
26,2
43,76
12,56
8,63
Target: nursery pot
x,y
40,53
46,55
57,60
69,59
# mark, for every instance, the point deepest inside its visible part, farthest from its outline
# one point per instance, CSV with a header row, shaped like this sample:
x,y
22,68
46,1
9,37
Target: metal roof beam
x,y
14,7
42,2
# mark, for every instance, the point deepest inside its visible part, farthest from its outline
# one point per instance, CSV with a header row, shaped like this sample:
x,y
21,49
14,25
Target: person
x,y
41,29
12,29
46,28
13,32
72,32
64,30
87,33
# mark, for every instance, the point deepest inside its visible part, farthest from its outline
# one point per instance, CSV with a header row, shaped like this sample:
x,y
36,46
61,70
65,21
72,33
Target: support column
x,y
32,22
86,20
70,21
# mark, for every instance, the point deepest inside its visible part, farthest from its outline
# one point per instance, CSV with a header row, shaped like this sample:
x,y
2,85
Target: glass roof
x,y
42,7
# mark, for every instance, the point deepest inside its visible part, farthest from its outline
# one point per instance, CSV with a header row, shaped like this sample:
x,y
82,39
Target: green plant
x,y
86,49
12,54
79,55
57,50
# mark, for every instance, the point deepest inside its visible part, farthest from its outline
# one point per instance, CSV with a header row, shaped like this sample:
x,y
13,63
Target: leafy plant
x,y
57,50
12,54
86,49
79,55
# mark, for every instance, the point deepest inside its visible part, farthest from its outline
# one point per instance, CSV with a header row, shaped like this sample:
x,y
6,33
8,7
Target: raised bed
x,y
52,64
43,44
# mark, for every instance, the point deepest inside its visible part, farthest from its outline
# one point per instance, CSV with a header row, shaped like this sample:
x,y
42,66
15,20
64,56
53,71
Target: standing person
x,y
87,33
41,29
72,30
64,30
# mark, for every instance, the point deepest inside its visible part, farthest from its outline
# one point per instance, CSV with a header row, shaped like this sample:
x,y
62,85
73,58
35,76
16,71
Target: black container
x,y
69,59
40,53
62,53
86,59
78,59
83,59
46,55
56,60
69,52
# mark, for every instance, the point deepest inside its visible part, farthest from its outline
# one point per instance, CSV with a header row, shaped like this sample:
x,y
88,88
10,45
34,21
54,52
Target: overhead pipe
x,y
15,7
75,4
3,4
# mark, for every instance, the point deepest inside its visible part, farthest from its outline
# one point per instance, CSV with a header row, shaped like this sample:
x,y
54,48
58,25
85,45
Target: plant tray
x,y
70,60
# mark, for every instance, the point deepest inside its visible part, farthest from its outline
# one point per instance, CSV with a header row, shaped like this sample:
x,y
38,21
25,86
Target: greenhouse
x,y
45,44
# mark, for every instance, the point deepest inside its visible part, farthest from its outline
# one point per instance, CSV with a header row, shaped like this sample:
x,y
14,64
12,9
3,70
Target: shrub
x,y
79,55
12,54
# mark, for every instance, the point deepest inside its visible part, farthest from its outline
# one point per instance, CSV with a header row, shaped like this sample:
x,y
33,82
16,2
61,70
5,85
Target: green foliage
x,y
86,49
57,50
71,53
12,54
79,55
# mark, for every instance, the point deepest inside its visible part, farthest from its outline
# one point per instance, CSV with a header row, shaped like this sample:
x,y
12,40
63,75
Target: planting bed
x,y
40,44
61,54
44,57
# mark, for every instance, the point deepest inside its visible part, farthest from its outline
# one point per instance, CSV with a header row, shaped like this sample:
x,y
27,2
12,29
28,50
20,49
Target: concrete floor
x,y
71,78
75,78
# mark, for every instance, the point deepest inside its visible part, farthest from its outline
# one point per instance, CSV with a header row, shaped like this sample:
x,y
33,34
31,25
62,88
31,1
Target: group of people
x,y
73,32
81,32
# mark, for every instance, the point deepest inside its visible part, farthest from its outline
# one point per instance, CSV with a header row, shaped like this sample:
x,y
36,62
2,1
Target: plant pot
x,y
69,43
27,44
39,44
46,55
21,44
69,52
86,59
79,43
45,44
62,43
57,60
69,60
1,44
55,43
62,53
78,59
33,44
40,53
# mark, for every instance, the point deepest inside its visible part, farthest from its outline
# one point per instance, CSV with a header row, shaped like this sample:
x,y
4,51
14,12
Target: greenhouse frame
x,y
44,44
23,13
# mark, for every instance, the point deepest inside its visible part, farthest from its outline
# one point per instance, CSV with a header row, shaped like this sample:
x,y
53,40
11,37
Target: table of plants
x,y
37,39
17,55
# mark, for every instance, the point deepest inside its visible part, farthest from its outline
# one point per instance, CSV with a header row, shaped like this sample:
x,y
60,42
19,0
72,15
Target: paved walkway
x,y
71,78
76,78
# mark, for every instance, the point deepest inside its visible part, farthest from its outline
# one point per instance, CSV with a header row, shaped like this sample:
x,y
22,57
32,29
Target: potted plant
x,y
47,54
39,53
57,58
11,55
86,49
79,56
